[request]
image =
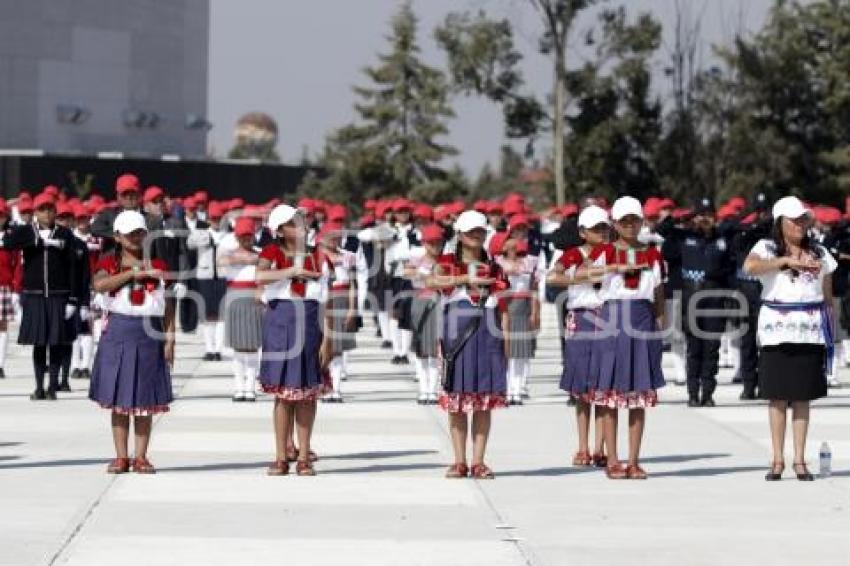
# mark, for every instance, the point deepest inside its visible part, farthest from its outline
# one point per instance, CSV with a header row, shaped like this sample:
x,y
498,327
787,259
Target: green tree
x,y
395,147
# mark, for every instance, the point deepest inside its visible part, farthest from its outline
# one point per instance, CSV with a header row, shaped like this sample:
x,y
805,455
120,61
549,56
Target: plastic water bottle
x,y
825,460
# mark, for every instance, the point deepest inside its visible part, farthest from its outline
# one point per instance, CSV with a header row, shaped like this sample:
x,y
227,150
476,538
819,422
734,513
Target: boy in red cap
x,y
82,353
204,239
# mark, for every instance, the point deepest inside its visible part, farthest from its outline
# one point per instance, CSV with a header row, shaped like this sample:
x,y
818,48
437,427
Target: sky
x,y
297,61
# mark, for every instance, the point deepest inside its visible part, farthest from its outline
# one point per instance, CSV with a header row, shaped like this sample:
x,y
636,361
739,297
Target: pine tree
x,y
395,146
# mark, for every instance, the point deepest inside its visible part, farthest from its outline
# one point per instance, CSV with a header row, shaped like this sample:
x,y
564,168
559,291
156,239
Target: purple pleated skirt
x,y
627,365
579,375
292,336
130,375
479,381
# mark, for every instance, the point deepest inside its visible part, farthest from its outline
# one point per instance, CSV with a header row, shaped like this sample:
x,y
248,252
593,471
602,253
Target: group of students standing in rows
x,y
466,301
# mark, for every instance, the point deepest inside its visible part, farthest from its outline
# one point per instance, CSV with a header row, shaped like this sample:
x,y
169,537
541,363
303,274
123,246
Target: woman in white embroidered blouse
x,y
794,327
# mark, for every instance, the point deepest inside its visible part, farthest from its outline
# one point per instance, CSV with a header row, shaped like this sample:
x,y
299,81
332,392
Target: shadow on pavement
x,y
707,472
380,468
55,464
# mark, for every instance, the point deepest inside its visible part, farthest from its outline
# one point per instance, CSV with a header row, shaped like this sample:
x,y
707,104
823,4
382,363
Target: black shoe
x,y
50,395
775,472
208,357
403,360
64,387
802,472
737,379
748,395
386,344
217,357
708,401
2,374
693,401
571,402
37,395
86,374
77,374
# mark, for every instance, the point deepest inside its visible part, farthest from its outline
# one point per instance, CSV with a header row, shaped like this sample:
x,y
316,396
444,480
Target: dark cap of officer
x,y
760,202
704,206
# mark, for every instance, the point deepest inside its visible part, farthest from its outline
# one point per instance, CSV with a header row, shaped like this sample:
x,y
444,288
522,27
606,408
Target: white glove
x,y
168,233
180,290
84,313
16,301
54,243
69,311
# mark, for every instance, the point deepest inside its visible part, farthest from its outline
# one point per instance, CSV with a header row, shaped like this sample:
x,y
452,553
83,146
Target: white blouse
x,y
797,327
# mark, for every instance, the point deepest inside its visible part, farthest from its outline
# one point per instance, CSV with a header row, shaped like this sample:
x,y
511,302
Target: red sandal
x,y
615,471
278,468
143,466
582,459
118,466
457,471
292,455
635,472
482,472
304,468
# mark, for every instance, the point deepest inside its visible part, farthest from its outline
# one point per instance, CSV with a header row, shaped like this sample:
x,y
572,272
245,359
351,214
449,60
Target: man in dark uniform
x,y
705,259
754,227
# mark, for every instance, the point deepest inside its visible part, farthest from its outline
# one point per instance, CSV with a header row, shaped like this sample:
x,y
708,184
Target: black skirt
x,y
792,372
43,320
212,293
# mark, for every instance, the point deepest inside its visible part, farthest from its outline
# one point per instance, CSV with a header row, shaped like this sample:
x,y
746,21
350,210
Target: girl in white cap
x,y
296,352
628,355
794,327
131,374
575,271
473,348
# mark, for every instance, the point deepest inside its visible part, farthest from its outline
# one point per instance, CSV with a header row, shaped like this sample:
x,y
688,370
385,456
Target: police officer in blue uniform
x,y
749,288
706,262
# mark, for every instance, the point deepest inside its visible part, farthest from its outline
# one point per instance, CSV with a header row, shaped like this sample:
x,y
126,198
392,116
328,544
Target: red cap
x,y
236,203
367,220
518,220
481,206
42,199
82,211
201,196
370,204
497,243
680,213
432,233
152,193
64,209
24,204
666,203
215,210
495,207
337,213
423,212
126,182
522,247
382,208
457,207
401,204
189,203
726,211
442,212
330,229
244,226
570,210
737,203
52,190
514,207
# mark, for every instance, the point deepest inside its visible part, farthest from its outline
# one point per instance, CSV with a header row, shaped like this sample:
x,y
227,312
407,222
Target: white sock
x,y
406,341
238,374
735,353
435,372
335,369
845,347
76,354
251,363
219,336
97,328
524,373
4,340
345,357
395,336
86,351
421,366
209,337
384,323
512,377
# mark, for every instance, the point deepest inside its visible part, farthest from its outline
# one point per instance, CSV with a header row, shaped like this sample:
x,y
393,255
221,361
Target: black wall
x,y
253,182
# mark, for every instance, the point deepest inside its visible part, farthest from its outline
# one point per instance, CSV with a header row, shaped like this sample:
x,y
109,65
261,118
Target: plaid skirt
x,y
7,305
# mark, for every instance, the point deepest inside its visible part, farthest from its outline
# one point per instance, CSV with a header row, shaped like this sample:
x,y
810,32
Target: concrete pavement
x,y
380,497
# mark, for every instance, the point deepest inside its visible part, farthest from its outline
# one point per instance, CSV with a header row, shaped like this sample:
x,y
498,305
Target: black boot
x,y
707,400
693,401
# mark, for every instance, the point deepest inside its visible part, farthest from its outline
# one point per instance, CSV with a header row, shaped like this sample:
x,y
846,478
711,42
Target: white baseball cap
x,y
626,206
593,216
470,220
281,214
128,221
790,207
